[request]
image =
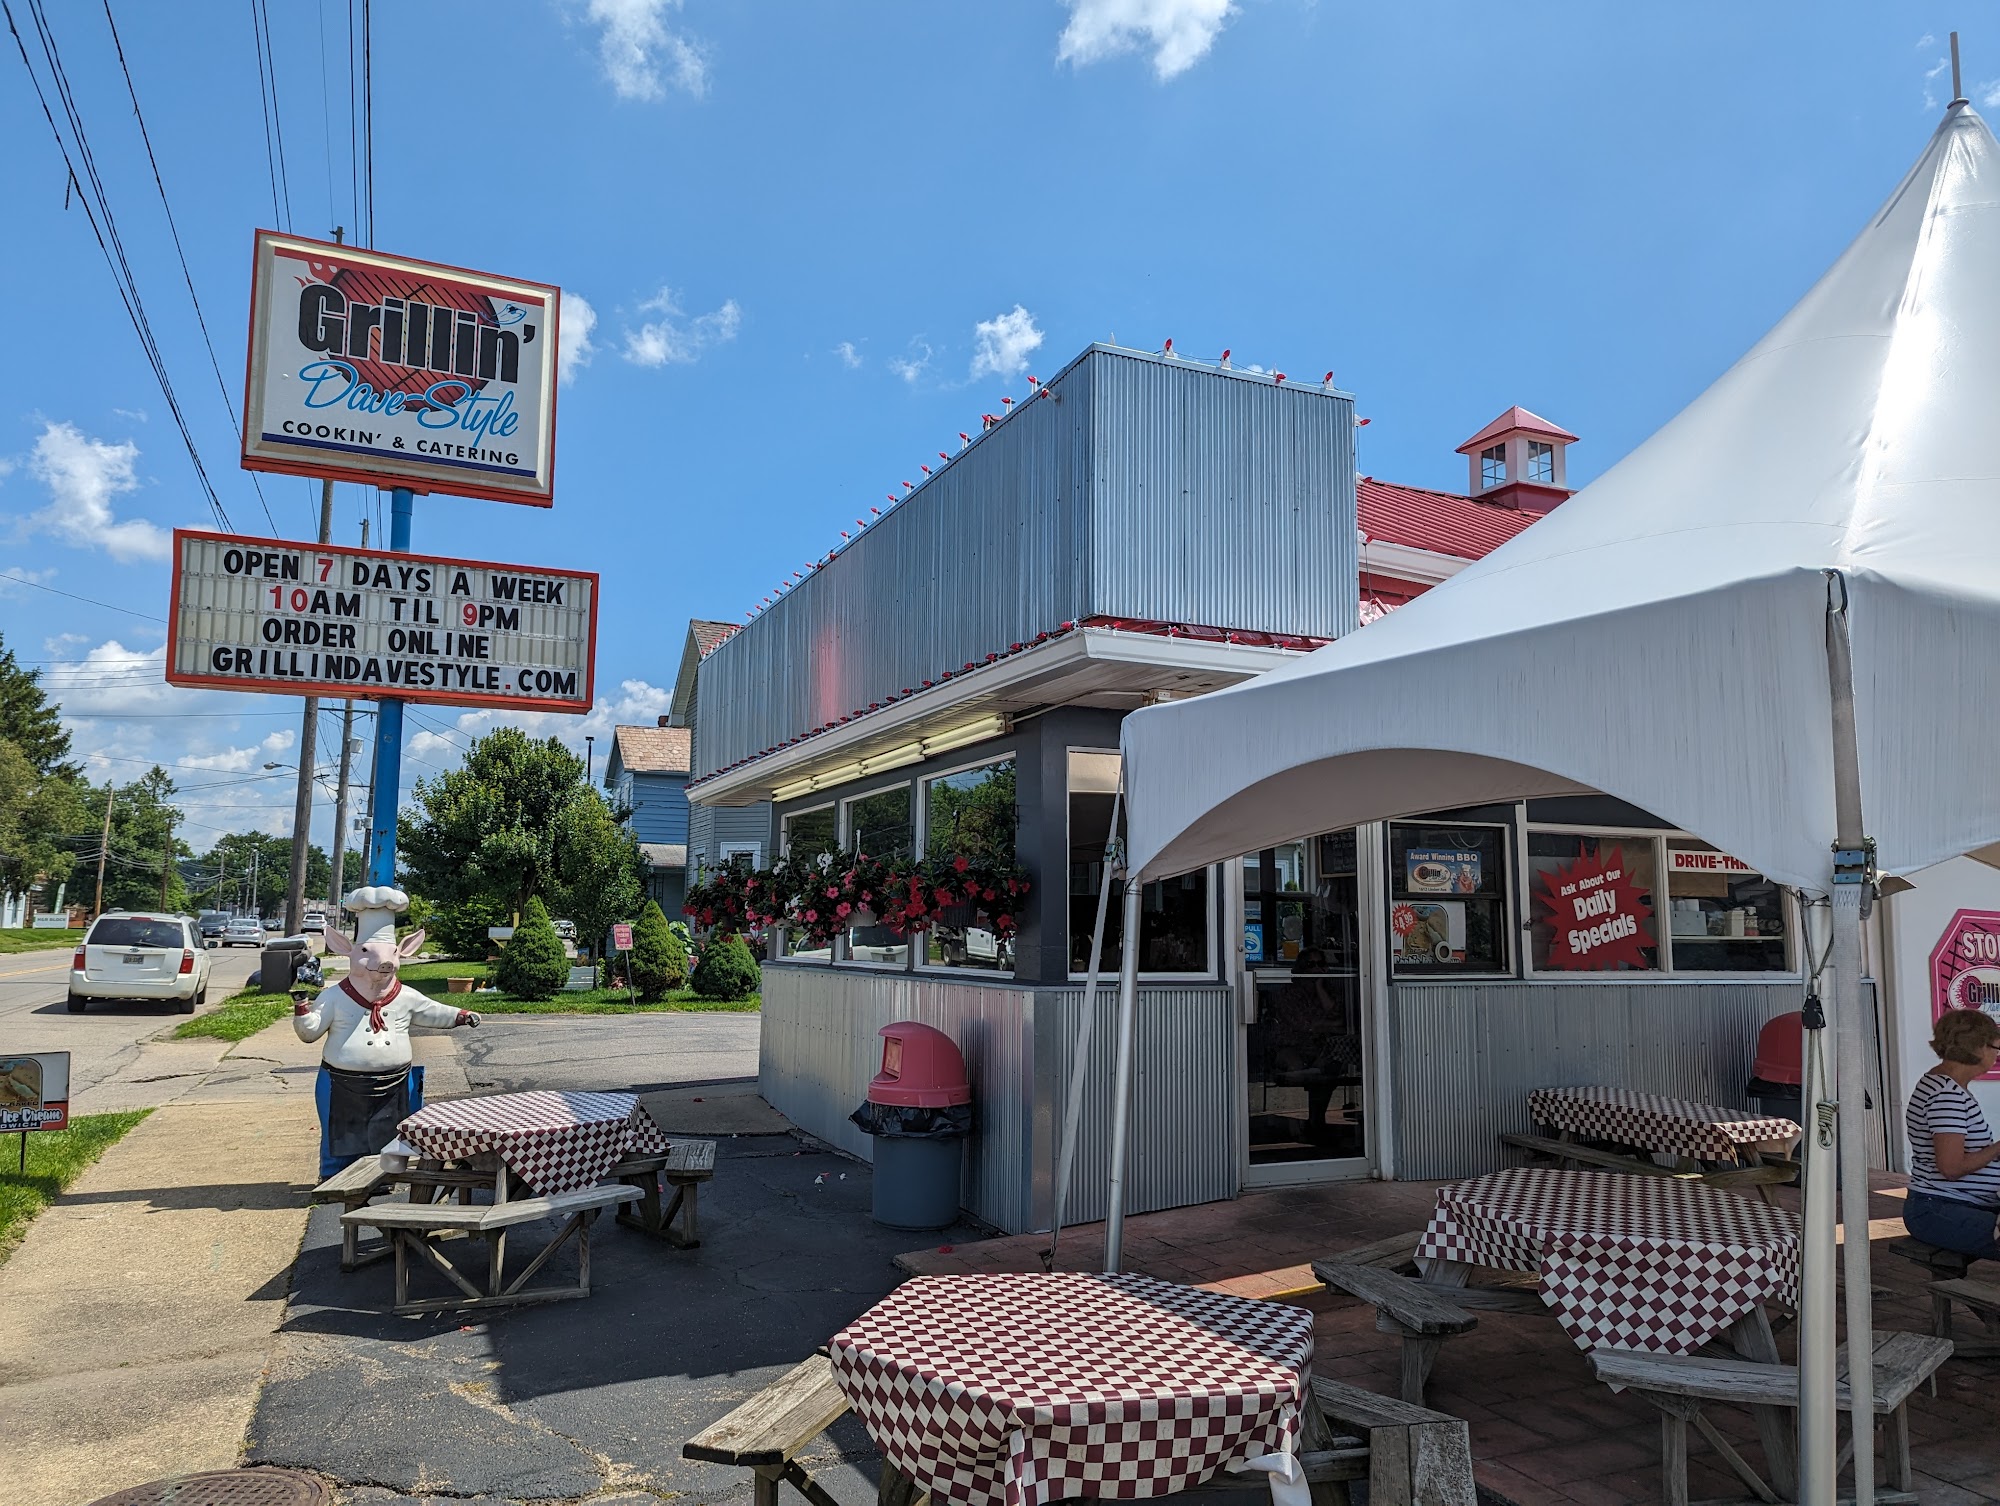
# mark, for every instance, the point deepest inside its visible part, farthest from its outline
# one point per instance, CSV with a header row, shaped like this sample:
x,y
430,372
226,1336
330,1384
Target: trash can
x,y
919,1110
278,964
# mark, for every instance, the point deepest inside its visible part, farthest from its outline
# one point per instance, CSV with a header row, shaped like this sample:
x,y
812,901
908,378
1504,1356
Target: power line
x,y
368,113
325,112
353,152
201,319
267,92
112,248
22,580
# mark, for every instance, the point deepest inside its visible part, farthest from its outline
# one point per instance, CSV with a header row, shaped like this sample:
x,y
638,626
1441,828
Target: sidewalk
x,y
143,1301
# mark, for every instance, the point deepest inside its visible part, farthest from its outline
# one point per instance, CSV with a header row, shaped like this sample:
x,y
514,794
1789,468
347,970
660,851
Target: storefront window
x,y
1722,916
970,814
879,825
1448,900
1592,903
1174,913
807,835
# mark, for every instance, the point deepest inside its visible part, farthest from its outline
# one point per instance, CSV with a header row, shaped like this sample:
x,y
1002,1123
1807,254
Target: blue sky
x,y
818,241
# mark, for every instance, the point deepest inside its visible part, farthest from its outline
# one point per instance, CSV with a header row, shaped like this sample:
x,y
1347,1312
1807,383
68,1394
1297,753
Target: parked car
x,y
131,956
212,922
315,921
245,930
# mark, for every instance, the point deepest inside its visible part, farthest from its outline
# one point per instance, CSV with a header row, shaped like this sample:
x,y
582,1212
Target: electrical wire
x,y
368,114
274,131
104,226
353,152
21,580
325,112
201,319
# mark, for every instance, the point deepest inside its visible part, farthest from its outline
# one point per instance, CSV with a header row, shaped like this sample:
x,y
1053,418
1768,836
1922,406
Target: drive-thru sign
x,y
321,619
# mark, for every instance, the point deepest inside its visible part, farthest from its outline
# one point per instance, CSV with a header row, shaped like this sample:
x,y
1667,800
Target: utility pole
x,y
340,797
295,888
167,860
103,849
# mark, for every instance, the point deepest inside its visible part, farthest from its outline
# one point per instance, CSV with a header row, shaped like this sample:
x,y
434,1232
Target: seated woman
x,y
1954,1199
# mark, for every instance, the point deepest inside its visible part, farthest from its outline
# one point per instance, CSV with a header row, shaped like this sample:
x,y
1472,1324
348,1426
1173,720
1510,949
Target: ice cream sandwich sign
x,y
395,372
34,1092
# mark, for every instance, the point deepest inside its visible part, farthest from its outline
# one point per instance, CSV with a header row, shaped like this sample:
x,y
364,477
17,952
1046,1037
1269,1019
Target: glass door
x,y
1305,1055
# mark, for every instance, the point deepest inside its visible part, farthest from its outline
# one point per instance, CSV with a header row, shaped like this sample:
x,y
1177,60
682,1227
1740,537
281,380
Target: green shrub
x,y
459,930
727,971
659,960
532,964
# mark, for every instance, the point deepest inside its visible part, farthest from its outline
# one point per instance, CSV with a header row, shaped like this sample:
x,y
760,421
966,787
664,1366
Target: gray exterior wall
x,y
711,826
820,1048
1141,487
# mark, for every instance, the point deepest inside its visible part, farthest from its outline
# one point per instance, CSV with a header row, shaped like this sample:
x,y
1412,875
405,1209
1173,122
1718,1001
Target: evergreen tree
x,y
659,961
532,964
726,971
30,720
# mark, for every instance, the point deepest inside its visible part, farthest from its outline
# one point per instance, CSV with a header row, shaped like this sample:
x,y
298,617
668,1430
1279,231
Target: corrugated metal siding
x,y
1221,501
1186,1101
1180,495
1466,1057
819,1048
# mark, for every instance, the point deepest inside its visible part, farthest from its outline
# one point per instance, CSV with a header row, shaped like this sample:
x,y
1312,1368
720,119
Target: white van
x,y
131,956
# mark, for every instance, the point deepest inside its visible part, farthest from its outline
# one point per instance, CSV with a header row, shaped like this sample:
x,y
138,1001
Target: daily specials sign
x,y
1965,965
1596,914
394,372
34,1092
318,619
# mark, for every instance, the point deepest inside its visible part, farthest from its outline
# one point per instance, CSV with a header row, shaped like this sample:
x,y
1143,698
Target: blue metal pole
x,y
388,734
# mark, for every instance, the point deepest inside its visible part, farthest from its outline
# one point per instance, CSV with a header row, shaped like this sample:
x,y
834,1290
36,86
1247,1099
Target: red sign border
x,y
1946,939
343,689
389,480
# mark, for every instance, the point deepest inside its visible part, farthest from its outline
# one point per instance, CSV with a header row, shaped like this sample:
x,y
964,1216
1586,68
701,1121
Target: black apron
x,y
364,1109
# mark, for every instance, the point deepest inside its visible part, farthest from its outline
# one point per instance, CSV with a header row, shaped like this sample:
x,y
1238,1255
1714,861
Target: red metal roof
x,y
1442,522
1520,418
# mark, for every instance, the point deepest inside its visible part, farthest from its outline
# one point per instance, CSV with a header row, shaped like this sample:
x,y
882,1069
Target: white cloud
x,y
1000,346
637,703
579,319
849,356
1928,39
1989,94
637,48
84,476
675,340
1177,32
15,574
914,363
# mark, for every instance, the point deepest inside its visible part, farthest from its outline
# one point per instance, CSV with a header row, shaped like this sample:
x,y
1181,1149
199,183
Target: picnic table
x,y
1676,1127
549,1142
1022,1390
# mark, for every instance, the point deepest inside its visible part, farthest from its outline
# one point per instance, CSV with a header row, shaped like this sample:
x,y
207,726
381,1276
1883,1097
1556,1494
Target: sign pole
x,y
388,779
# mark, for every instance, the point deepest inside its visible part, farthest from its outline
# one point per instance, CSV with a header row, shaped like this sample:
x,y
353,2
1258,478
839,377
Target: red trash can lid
x,y
1781,1049
921,1068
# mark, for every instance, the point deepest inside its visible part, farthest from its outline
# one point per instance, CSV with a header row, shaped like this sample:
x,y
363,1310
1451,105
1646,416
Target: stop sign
x,y
1965,965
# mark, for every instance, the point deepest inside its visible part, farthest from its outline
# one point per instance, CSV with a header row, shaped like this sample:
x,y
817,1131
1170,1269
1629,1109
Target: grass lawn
x,y
430,976
16,940
56,1158
241,1016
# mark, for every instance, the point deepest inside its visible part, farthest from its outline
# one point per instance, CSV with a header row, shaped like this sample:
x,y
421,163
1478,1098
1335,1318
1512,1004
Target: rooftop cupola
x,y
1517,461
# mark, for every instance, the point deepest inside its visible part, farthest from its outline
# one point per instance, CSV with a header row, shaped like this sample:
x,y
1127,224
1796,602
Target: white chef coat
x,y
352,1046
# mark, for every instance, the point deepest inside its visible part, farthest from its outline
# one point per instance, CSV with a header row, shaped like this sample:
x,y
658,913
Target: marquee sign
x,y
394,372
1965,965
320,619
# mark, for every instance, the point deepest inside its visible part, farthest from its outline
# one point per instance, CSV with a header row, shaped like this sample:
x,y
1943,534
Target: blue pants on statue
x,y
329,1163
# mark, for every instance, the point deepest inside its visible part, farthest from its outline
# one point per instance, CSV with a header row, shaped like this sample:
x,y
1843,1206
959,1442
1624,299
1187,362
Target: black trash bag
x,y
895,1121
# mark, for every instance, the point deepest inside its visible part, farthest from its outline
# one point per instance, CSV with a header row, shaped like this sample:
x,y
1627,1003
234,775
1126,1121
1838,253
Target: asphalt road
x,y
606,1052
34,1013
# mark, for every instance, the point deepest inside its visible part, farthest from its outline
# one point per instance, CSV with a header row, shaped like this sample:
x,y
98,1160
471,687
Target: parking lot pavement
x,y
592,1397
599,1052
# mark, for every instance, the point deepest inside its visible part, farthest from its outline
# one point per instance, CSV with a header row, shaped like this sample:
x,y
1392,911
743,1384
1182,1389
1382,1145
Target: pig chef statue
x,y
365,1089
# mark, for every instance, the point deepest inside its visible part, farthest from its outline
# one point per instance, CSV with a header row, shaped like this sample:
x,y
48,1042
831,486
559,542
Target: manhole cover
x,y
225,1487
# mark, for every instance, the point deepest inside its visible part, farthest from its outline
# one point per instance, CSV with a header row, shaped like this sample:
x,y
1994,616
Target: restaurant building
x,y
1370,1002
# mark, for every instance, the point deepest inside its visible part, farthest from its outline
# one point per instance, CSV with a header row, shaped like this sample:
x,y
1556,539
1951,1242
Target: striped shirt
x,y
1939,1106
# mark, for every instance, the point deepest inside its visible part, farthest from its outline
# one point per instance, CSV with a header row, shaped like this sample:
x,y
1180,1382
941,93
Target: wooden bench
x,y
353,1186
685,1166
1409,1456
1679,1386
1424,1314
1943,1264
1983,1298
412,1229
1770,1173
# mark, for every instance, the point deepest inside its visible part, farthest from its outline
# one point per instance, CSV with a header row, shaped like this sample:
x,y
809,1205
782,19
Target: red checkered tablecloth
x,y
1019,1390
555,1142
1656,1263
1673,1126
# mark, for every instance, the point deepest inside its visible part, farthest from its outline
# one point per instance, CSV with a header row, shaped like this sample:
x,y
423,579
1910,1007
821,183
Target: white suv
x,y
130,956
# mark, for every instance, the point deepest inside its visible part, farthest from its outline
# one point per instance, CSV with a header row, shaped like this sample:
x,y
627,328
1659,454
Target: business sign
x,y
1440,871
1428,932
1596,914
393,372
34,1091
1699,860
1965,966
319,619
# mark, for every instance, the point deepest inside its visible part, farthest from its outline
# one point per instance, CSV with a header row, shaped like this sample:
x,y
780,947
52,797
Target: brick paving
x,y
1545,1432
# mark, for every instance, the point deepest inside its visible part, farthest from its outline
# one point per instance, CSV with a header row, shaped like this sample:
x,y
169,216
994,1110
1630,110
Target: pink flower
x,y
959,865
843,909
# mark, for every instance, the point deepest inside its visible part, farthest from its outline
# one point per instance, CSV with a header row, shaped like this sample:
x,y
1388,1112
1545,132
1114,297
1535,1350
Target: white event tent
x,y
1677,635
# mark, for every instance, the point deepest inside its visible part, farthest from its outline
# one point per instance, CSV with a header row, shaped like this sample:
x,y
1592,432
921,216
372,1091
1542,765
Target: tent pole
x,y
1852,876
1080,1053
1121,1083
1818,1418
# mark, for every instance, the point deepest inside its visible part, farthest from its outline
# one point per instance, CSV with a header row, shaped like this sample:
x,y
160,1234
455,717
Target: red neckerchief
x,y
375,1020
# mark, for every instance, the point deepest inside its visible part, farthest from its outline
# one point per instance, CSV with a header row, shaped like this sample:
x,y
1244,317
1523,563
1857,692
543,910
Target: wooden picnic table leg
x,y
1751,1337
897,1488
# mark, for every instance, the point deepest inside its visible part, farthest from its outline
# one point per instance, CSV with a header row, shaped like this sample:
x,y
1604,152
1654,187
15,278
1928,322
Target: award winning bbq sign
x,y
395,372
317,619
